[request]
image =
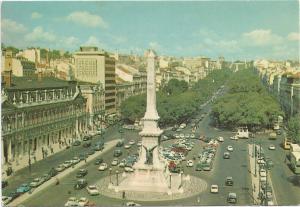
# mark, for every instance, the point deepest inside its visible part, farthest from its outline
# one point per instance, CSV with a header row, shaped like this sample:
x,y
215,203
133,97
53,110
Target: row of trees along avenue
x,y
176,102
247,103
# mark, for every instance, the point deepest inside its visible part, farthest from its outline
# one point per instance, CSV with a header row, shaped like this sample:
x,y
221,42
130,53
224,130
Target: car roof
x,y
232,194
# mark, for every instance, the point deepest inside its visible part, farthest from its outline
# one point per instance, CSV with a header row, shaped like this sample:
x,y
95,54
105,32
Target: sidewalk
x,y
255,178
25,196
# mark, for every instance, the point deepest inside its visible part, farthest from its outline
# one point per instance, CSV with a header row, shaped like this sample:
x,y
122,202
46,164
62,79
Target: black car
x,y
98,161
83,156
46,177
278,132
52,172
117,153
81,183
81,173
229,181
4,183
226,155
76,143
91,151
86,138
87,144
14,195
120,144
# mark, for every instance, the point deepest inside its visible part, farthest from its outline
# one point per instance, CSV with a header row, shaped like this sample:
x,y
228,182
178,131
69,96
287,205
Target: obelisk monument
x,y
151,172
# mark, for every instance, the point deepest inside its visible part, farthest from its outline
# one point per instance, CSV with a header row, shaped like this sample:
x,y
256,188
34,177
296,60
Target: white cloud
x,y
39,35
70,42
293,36
10,26
36,15
87,19
261,37
119,39
93,41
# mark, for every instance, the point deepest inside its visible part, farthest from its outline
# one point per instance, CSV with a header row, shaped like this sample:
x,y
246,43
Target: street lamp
x,y
170,176
117,174
110,169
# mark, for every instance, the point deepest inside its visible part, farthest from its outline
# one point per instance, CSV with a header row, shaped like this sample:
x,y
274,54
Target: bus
x,y
286,143
295,162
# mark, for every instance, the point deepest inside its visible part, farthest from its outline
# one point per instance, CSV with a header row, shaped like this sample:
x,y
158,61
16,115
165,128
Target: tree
x,y
175,86
294,129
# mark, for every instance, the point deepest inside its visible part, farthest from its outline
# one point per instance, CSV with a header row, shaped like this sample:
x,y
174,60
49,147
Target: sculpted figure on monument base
x,y
149,155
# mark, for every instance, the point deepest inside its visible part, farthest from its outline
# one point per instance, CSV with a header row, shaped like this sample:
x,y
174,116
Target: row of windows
x,y
110,101
110,88
110,94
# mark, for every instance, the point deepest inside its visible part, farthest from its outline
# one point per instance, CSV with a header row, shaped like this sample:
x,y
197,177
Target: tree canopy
x,y
293,127
246,104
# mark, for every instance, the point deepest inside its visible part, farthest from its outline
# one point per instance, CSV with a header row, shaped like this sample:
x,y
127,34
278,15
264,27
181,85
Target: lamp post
x,y
170,176
117,174
110,169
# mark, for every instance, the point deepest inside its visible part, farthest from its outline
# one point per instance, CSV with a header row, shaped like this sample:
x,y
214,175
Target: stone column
x,y
9,155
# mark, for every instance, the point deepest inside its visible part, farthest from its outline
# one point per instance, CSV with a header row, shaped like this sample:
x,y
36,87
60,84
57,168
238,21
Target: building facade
x,y
39,117
96,66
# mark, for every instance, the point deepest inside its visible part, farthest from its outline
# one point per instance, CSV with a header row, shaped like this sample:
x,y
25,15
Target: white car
x,y
263,173
92,190
72,201
131,142
115,162
214,188
127,146
139,143
6,199
261,161
122,163
230,148
132,204
83,201
220,139
60,168
187,136
272,147
192,136
234,138
128,169
75,160
36,182
103,166
67,163
181,135
190,163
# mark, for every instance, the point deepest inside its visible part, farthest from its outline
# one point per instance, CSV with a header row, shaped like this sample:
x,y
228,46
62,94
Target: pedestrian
x,y
51,150
85,159
123,195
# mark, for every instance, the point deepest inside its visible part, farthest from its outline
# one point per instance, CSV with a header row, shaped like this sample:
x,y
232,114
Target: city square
x,y
100,123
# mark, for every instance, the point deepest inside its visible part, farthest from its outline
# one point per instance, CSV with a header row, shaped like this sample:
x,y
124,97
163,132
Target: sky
x,y
233,29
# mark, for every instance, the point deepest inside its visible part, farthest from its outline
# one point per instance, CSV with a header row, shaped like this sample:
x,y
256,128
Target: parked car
x,y
83,201
4,183
86,144
67,163
127,146
36,182
6,200
46,177
23,188
132,204
53,172
128,169
60,168
98,161
220,139
92,190
230,148
122,163
226,155
131,142
232,198
76,143
81,173
190,163
199,167
72,201
229,181
117,153
103,166
234,138
214,188
81,183
272,147
75,160
120,143
115,162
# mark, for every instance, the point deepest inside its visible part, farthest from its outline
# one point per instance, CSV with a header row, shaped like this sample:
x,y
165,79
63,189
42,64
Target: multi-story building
x,y
39,116
33,55
95,104
94,66
130,82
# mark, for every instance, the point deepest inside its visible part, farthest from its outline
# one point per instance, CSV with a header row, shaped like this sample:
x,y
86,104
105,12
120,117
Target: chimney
x,y
7,73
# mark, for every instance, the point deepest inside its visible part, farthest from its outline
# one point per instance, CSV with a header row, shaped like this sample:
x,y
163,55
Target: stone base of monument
x,y
146,192
145,181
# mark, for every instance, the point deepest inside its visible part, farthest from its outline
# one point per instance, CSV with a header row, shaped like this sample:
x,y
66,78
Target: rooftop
x,y
33,83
